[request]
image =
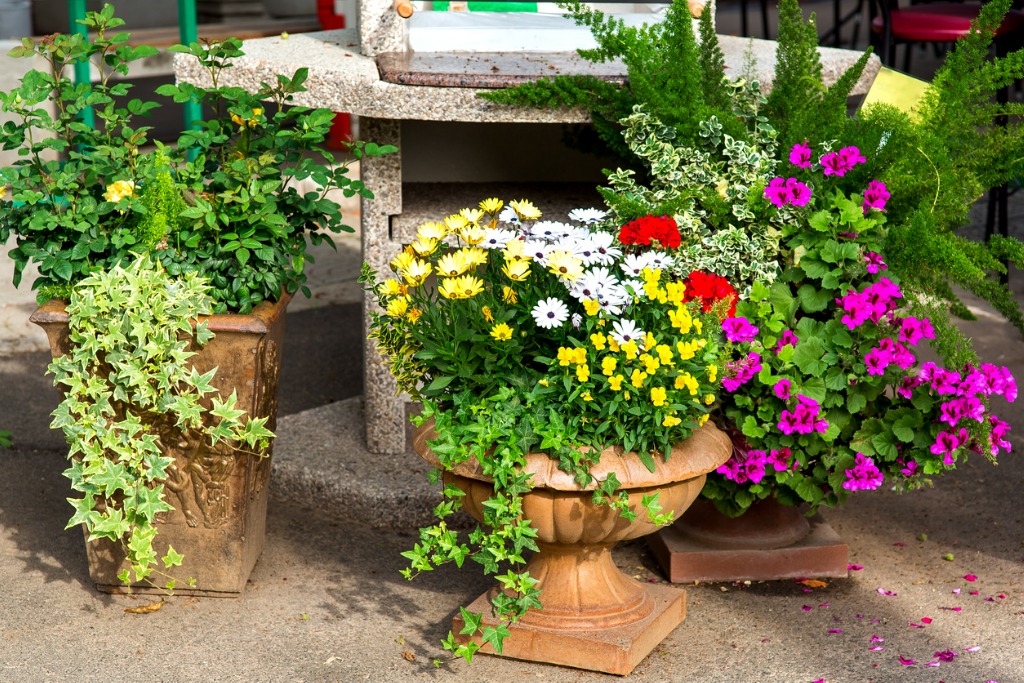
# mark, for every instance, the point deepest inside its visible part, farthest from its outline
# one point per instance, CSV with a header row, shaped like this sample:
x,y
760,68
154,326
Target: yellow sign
x,y
897,89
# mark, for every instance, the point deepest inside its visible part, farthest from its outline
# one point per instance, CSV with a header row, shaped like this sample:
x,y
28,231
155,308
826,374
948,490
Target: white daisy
x,y
569,245
661,261
626,331
538,250
550,313
509,215
634,264
547,230
613,298
589,216
605,252
591,284
576,319
497,238
635,288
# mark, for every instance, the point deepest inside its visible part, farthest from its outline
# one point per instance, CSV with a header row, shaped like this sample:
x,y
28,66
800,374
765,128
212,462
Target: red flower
x,y
708,289
649,228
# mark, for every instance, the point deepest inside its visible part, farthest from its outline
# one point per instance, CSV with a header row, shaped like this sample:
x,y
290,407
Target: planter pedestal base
x,y
821,553
614,650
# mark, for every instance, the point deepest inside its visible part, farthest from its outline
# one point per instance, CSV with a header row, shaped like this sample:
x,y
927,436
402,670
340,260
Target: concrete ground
x,y
326,601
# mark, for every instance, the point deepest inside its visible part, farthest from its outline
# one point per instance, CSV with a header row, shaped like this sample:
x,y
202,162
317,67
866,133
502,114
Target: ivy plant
x,y
129,388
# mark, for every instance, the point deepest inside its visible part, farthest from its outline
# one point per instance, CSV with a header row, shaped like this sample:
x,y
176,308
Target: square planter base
x,y
820,554
614,650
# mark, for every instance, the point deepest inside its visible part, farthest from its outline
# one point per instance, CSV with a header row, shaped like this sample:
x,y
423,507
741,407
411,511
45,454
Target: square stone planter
x,y
219,495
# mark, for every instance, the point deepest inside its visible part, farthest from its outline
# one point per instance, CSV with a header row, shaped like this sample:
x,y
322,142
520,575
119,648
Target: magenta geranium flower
x,y
782,388
841,162
800,155
739,329
875,196
782,192
864,475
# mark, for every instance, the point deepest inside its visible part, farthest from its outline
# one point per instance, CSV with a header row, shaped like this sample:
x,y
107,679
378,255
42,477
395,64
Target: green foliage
x,y
128,389
85,199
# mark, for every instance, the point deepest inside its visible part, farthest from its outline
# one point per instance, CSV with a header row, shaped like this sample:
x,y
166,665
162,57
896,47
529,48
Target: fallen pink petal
x,y
946,655
972,648
906,661
975,593
953,609
1001,596
914,625
882,591
990,599
824,604
956,591
970,578
807,608
926,620
835,630
855,567
876,639
877,648
932,664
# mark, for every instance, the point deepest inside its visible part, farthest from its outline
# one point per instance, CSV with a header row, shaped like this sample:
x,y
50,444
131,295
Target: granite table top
x,y
444,86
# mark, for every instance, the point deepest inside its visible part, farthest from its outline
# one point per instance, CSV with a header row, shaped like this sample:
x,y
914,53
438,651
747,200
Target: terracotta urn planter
x,y
219,495
593,616
770,541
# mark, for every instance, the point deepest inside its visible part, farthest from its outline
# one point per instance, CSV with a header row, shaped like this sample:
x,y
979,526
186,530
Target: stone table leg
x,y
384,406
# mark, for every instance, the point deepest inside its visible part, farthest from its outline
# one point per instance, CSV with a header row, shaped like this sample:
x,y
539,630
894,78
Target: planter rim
x,y
258,321
703,451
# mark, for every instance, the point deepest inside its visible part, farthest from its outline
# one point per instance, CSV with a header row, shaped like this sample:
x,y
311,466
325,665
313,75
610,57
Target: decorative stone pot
x,y
219,495
770,541
593,616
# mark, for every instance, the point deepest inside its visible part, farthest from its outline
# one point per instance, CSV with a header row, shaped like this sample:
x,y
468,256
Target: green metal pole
x,y
76,11
189,33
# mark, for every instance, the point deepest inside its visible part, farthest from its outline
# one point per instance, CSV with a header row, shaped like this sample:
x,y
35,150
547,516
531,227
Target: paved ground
x,y
326,601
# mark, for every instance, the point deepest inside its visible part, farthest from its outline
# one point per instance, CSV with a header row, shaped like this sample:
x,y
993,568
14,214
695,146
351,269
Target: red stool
x,y
341,130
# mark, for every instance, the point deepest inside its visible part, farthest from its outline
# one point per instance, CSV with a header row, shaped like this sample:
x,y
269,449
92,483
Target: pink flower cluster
x,y
875,196
788,338
782,192
871,304
752,465
738,373
804,419
839,163
986,380
864,476
874,262
888,352
739,329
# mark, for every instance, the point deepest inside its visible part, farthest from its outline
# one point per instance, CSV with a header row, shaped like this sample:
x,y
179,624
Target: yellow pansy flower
x,y
675,291
709,399
699,326
608,364
629,348
651,363
670,421
658,396
637,378
501,332
586,396
702,419
598,340
465,287
686,349
591,306
615,382
517,271
250,123
664,352
712,373
650,342
582,373
686,381
612,344
525,210
564,356
681,319
542,382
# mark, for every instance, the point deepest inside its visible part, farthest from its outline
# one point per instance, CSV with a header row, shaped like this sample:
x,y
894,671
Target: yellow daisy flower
x,y
501,332
472,215
452,264
514,251
455,222
465,287
525,209
414,315
517,271
473,234
508,295
475,256
565,265
393,287
402,260
397,307
416,272
432,230
424,247
492,205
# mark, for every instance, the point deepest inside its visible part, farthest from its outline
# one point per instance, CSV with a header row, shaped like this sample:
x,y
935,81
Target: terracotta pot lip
x,y
259,321
702,452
